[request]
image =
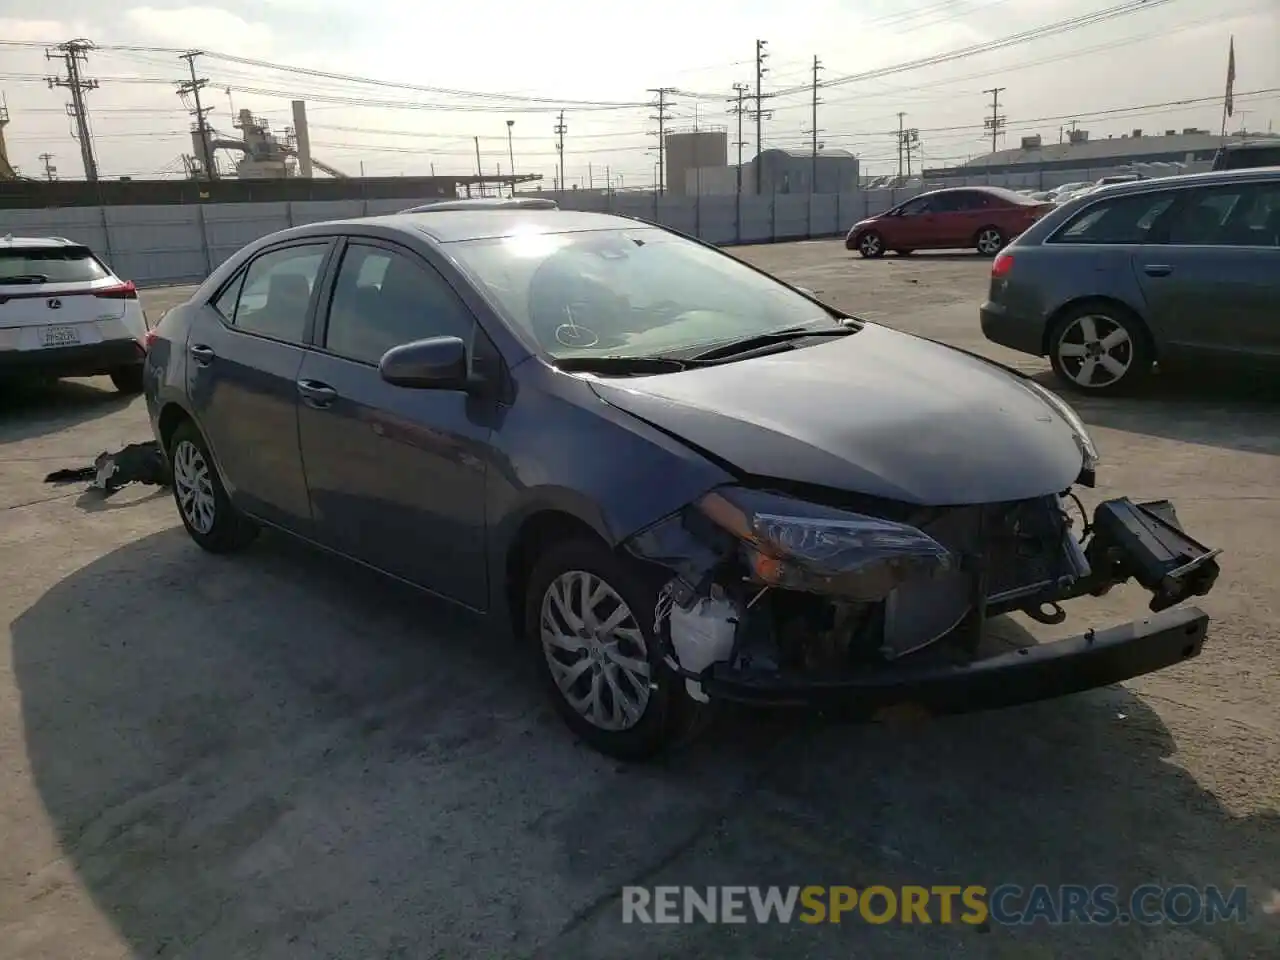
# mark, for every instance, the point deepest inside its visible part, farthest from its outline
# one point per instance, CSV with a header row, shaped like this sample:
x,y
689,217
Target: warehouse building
x,y
1190,149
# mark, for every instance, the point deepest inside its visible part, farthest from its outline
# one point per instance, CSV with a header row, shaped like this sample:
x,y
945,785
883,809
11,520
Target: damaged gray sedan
x,y
678,479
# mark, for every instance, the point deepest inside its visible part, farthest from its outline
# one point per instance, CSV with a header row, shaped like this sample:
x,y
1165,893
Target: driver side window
x,y
384,298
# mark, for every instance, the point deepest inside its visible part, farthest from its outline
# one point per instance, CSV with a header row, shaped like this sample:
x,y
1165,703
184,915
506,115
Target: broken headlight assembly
x,y
796,545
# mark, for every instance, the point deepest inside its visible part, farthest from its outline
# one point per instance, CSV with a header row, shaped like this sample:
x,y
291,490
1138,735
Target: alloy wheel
x,y
194,489
595,650
1095,351
990,241
869,245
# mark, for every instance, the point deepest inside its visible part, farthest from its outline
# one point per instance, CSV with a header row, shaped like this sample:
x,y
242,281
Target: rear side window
x,y
49,265
1121,220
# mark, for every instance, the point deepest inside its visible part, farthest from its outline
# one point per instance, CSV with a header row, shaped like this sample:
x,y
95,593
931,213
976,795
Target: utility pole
x,y
73,53
908,139
50,171
511,155
662,105
759,112
901,141
479,169
995,123
813,184
560,130
193,87
740,90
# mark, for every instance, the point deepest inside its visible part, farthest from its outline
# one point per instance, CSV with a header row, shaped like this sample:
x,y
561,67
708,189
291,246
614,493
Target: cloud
x,y
208,27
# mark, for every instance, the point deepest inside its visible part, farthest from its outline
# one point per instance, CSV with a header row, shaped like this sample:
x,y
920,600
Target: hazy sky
x,y
591,52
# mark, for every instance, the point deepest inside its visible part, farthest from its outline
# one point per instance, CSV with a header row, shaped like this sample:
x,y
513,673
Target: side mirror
x,y
437,363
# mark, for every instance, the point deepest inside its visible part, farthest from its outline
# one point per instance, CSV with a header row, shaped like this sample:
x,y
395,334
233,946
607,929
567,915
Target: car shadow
x,y
1235,411
965,256
31,407
284,754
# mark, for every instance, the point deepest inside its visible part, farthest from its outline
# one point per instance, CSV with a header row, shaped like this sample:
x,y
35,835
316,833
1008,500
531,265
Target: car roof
x,y
1186,180
451,226
28,243
1253,145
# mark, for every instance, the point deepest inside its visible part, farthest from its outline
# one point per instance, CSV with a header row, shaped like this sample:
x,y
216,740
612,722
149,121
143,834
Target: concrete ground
x,y
279,755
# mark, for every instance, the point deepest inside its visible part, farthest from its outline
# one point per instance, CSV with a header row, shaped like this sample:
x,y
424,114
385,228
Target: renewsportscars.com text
x,y
972,904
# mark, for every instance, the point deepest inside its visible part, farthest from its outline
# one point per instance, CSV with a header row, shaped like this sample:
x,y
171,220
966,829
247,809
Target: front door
x,y
245,348
1210,284
914,226
396,475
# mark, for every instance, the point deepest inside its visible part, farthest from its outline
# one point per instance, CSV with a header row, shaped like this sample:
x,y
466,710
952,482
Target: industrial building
x,y
1077,151
689,151
780,171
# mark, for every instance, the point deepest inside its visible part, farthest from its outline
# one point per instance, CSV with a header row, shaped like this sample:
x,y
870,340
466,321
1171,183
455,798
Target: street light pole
x,y
511,155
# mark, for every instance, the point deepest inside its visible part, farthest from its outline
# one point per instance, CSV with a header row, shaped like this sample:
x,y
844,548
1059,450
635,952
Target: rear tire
x,y
576,658
128,379
989,241
203,504
1100,349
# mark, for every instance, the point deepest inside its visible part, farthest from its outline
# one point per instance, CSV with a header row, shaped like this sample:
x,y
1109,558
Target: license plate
x,y
59,336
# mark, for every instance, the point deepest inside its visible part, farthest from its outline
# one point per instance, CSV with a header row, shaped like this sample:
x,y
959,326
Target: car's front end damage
x,y
785,596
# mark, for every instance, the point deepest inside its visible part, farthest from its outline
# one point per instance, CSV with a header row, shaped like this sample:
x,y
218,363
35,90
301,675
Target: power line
x,y
995,123
1026,36
73,53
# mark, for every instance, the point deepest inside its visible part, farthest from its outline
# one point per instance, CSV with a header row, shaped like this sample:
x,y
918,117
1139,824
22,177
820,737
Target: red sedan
x,y
984,218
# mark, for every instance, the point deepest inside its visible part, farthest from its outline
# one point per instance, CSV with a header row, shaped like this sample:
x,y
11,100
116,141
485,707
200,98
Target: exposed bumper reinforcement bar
x,y
1038,672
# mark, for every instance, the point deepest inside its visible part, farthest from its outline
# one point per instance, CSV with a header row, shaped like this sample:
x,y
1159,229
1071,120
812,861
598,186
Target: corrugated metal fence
x,y
155,245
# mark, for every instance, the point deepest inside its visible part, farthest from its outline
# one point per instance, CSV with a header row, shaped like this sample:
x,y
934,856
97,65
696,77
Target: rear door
x,y
1213,281
54,296
245,348
396,475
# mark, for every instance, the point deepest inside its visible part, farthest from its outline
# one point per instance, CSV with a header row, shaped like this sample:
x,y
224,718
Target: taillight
x,y
1001,266
148,339
123,291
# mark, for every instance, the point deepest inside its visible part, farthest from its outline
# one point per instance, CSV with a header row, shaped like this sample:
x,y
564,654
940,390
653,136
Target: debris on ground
x,y
134,463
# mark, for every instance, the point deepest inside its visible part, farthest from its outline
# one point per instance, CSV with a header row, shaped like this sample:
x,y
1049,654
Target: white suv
x,y
63,313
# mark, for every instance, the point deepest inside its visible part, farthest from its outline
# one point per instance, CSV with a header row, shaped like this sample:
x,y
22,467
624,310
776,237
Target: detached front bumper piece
x,y
1037,672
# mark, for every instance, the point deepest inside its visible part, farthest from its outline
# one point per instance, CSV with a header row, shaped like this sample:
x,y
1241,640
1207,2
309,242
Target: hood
x,y
878,412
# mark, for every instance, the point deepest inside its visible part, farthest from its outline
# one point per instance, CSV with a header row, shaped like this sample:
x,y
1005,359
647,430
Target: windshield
x,y
631,293
49,264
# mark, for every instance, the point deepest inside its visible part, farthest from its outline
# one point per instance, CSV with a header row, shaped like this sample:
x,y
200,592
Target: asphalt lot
x,y
279,755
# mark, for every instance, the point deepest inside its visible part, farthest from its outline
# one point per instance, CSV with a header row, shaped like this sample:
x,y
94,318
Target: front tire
x,y
203,504
871,245
128,379
590,614
1100,348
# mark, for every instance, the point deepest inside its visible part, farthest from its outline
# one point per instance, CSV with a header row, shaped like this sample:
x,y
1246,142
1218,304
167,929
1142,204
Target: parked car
x,y
63,313
1238,156
1068,190
1172,271
985,218
678,479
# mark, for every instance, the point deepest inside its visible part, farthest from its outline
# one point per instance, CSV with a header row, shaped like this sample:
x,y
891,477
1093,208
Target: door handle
x,y
201,354
1157,269
316,394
